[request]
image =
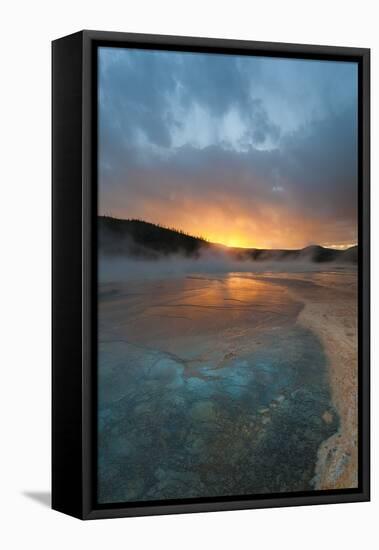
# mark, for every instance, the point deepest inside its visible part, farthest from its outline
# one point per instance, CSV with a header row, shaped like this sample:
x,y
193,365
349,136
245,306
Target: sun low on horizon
x,y
248,152
226,238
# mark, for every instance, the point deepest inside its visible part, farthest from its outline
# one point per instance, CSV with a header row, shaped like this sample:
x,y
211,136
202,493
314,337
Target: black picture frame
x,y
74,294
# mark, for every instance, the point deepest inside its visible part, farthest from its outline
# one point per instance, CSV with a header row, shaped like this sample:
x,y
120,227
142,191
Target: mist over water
x,y
116,268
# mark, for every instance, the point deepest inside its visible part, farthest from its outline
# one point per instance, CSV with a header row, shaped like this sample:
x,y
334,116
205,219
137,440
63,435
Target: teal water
x,y
207,387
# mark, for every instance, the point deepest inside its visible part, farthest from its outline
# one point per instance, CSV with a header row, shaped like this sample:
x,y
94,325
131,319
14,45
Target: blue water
x,y
220,408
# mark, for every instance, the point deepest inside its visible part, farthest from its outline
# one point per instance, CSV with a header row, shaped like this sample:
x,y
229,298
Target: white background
x,y
26,31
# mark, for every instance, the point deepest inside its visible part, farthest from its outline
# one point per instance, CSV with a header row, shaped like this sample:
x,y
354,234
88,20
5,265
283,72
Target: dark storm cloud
x,y
132,96
261,141
140,92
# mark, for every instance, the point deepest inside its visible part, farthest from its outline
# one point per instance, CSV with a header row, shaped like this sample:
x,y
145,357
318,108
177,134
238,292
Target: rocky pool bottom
x,y
207,387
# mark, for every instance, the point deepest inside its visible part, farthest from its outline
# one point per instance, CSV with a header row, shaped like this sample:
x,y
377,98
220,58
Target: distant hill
x,y
140,239
350,255
314,253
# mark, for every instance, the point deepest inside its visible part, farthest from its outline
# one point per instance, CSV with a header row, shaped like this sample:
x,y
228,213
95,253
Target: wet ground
x,y
207,387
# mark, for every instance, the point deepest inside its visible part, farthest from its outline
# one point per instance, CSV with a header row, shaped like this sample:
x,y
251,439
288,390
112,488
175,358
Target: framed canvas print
x,y
210,275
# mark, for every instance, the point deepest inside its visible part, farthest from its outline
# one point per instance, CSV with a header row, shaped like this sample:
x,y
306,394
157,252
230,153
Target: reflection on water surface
x,y
207,387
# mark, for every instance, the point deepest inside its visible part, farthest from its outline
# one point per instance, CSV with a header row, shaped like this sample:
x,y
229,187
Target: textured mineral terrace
x,y
233,383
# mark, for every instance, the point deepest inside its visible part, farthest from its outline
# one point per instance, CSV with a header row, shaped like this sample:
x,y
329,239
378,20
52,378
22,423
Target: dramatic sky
x,y
245,151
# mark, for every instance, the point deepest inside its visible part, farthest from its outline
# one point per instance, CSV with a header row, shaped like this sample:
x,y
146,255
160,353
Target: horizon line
x,y
337,247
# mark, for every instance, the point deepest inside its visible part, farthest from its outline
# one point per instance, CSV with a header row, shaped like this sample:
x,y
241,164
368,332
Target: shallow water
x,y
207,387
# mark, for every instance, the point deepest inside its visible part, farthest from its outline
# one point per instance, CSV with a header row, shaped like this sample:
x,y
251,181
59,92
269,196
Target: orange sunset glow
x,y
270,230
244,164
